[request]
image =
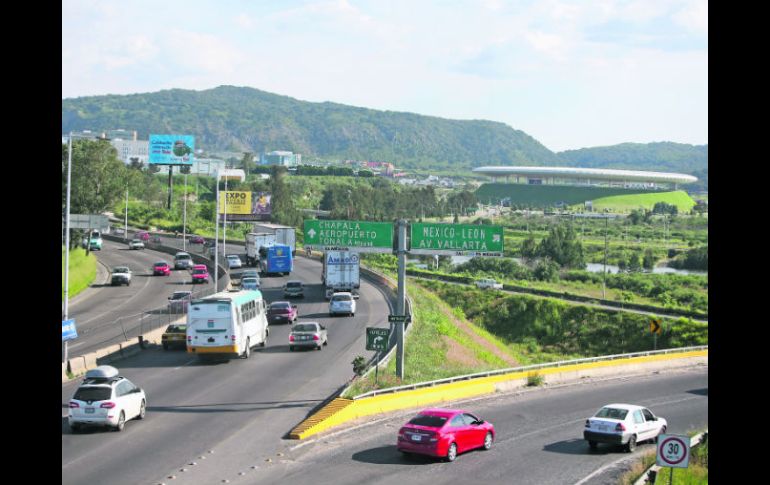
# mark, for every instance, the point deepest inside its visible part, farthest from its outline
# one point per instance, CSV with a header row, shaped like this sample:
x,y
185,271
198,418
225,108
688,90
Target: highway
x,y
102,312
238,410
539,439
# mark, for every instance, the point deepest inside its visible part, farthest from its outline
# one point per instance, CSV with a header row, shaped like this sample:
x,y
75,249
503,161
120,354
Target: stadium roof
x,y
588,173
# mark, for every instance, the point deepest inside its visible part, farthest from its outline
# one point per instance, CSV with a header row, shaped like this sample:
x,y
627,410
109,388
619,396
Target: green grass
x,y
627,203
82,271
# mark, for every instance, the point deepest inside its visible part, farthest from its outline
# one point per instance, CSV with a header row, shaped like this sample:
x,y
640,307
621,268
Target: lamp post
x,y
184,223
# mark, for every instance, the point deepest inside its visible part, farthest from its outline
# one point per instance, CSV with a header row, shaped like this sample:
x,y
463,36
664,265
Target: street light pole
x,y
216,240
184,223
604,273
125,224
67,241
224,225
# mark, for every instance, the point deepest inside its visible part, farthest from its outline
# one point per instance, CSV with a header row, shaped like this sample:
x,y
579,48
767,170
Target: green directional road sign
x,y
377,338
356,236
456,239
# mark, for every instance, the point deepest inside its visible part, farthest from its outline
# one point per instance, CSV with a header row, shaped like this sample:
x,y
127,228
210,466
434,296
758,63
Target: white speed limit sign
x,y
673,451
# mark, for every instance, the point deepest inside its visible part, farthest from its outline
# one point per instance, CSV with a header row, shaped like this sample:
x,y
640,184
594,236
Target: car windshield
x,y
305,327
342,298
233,258
93,393
120,269
612,413
426,420
293,284
199,271
135,241
249,281
183,256
158,265
176,329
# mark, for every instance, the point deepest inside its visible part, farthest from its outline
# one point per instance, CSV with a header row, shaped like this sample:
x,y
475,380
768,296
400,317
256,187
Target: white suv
x,y
106,399
489,283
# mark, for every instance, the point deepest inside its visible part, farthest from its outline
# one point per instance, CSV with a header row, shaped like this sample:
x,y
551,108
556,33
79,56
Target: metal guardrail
x,y
448,380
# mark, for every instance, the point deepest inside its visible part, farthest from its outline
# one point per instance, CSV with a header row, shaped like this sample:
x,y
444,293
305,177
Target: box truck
x,y
254,241
340,272
283,234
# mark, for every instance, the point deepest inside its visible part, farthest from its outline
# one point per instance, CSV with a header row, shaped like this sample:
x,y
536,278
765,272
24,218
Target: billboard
x,y
245,206
171,149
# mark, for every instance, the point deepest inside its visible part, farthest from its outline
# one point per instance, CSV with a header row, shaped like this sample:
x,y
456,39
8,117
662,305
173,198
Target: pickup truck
x,y
121,275
489,283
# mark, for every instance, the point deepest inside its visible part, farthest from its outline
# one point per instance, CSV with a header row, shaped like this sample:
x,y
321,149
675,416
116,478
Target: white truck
x,y
283,234
254,241
489,283
341,272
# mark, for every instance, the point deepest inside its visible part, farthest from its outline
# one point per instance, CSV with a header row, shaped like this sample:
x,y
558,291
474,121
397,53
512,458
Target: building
x,y
200,166
587,177
130,150
287,159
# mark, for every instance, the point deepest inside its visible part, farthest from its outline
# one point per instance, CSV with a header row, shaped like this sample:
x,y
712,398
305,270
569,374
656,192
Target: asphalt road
x,y
106,315
539,439
233,414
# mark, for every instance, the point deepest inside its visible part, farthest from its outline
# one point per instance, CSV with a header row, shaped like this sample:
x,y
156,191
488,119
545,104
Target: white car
x,y
183,260
233,261
342,302
106,399
121,275
623,424
489,283
136,244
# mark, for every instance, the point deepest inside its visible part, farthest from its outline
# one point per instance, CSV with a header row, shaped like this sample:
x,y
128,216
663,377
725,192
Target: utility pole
x,y
170,184
125,225
401,300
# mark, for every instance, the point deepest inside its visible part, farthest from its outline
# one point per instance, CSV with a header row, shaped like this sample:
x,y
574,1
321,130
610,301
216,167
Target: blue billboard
x,y
171,149
68,330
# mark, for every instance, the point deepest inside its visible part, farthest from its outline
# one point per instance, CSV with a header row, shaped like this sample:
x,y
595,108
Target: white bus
x,y
227,324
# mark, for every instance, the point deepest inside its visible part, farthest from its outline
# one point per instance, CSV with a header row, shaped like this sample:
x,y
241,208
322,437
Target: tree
x,y
529,248
563,246
97,177
247,162
649,259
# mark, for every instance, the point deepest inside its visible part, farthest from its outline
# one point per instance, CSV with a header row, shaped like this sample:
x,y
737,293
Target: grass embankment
x,y
443,344
82,271
615,199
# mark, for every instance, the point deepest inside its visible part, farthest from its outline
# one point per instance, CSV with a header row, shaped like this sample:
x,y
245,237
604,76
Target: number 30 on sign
x,y
673,451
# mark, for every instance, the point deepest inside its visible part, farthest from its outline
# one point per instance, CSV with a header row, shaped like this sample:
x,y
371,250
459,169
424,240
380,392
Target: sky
x,y
572,74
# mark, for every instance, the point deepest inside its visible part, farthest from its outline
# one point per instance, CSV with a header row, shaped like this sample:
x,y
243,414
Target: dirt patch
x,y
457,354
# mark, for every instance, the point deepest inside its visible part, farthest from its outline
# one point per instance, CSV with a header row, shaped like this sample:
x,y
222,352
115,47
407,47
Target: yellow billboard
x,y
237,202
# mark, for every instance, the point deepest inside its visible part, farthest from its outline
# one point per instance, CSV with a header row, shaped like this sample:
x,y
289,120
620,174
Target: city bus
x,y
227,324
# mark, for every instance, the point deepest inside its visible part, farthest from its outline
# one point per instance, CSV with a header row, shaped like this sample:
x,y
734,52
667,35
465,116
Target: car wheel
x,y
291,348
318,347
631,445
451,454
165,346
121,422
488,441
593,445
75,428
142,410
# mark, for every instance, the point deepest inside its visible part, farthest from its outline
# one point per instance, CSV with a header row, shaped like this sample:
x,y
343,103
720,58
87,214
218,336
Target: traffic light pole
x,y
401,301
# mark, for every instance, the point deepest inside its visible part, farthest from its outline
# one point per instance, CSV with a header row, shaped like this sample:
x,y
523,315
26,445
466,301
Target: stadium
x,y
621,190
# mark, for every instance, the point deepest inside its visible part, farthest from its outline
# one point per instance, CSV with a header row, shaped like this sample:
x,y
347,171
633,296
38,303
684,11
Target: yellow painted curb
x,y
342,410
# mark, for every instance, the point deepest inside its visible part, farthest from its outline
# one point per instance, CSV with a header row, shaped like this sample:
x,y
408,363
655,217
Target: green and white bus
x,y
227,324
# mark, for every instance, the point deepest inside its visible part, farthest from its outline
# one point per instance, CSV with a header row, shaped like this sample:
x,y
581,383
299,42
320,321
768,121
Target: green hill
x,y
663,156
233,118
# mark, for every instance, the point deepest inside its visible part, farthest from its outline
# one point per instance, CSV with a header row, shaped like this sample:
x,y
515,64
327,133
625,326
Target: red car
x,y
161,268
197,240
444,433
200,274
143,235
281,312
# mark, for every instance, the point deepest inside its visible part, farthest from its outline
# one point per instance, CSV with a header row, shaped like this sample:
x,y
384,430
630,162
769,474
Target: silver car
x,y
308,334
183,260
342,302
294,288
136,244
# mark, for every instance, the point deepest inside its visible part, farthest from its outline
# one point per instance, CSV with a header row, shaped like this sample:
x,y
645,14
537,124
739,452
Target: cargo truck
x,y
254,241
340,272
283,234
275,259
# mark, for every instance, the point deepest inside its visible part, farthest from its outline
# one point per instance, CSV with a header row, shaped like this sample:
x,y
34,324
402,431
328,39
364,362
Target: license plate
x,y
604,428
416,437
90,410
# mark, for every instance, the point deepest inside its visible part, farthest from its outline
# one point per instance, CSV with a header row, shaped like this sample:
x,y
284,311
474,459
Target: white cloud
x,y
205,52
694,16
